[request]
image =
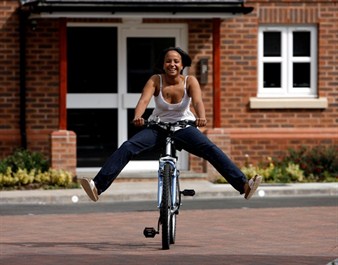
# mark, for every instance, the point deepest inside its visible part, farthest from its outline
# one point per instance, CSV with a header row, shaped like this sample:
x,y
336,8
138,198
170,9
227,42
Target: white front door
x,y
108,67
140,48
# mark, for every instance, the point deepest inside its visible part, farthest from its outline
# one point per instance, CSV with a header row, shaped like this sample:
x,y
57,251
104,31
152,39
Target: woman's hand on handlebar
x,y
201,122
138,121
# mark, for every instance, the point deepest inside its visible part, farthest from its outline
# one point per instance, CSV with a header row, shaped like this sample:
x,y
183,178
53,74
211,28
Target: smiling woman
x,y
170,107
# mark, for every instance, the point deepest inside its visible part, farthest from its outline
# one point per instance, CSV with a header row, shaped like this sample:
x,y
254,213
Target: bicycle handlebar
x,y
168,125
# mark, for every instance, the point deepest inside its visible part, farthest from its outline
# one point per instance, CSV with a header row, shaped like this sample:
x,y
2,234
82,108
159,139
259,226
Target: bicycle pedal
x,y
188,192
150,232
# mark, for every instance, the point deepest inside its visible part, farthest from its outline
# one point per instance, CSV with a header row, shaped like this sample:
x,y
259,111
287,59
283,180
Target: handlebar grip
x,y
192,123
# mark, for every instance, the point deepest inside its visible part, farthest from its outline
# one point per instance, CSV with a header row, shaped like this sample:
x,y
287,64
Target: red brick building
x,y
72,71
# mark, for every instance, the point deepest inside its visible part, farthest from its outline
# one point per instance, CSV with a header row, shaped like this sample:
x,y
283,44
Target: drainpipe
x,y
216,71
22,32
63,74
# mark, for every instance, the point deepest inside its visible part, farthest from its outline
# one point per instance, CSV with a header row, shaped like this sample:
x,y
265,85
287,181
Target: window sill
x,y
288,103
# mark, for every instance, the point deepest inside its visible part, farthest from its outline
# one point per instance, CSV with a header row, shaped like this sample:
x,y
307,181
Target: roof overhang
x,y
135,8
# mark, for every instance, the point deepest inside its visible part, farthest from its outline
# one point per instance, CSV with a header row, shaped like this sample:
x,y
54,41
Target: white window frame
x,y
287,59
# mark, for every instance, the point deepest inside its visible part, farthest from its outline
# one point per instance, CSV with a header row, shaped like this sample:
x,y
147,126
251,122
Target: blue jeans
x,y
190,139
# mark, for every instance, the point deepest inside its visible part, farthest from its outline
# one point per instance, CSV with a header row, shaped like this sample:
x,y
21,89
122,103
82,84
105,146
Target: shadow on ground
x,y
153,255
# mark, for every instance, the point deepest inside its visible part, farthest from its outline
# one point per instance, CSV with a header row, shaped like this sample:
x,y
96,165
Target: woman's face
x,y
172,63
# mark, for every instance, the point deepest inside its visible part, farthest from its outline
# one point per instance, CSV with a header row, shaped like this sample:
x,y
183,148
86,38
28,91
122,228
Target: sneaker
x,y
89,186
253,185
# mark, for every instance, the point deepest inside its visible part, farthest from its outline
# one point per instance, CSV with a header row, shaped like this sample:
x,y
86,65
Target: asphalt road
x,y
187,204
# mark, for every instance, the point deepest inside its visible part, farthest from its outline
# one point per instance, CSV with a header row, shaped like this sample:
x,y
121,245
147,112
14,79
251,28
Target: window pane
x,y
272,44
272,75
142,54
301,75
301,43
96,134
92,60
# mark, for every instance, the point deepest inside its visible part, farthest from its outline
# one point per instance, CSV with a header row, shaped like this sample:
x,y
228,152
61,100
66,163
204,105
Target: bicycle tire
x,y
165,207
173,217
173,228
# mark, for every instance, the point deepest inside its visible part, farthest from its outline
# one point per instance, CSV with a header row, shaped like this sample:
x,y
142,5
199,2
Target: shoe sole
x,y
85,183
257,181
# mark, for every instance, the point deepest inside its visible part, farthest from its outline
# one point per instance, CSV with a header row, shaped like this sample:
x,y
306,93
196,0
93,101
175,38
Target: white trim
x,y
91,101
128,101
288,103
134,166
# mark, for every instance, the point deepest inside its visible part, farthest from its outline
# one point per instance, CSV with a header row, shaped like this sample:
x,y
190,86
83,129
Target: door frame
x,y
122,100
180,33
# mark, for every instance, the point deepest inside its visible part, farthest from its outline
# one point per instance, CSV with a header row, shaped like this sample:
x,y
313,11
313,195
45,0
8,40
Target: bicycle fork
x,y
170,157
174,175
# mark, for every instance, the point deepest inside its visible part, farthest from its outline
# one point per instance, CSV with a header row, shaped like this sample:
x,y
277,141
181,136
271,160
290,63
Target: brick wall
x,y
254,146
282,129
42,84
63,150
238,81
42,73
200,46
9,78
239,65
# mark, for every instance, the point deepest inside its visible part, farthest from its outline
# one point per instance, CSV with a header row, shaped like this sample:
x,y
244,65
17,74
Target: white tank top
x,y
168,112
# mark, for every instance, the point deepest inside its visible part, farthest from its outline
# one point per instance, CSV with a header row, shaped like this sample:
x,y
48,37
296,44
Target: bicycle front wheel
x,y
165,207
174,215
173,229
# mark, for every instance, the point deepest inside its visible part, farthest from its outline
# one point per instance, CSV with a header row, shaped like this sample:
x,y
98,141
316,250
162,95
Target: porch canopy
x,y
136,8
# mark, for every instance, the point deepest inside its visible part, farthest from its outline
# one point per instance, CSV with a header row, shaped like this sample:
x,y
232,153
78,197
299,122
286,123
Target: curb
x,y
147,190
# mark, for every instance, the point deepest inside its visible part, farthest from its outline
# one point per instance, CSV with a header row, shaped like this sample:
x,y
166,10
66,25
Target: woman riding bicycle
x,y
173,93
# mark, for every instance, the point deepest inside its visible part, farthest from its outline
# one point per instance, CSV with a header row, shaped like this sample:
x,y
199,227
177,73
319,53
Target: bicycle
x,y
169,193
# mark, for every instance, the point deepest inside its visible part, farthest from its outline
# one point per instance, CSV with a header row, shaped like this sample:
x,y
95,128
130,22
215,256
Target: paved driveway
x,y
306,235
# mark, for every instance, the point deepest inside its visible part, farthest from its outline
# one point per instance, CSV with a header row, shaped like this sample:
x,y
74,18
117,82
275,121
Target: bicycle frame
x,y
169,194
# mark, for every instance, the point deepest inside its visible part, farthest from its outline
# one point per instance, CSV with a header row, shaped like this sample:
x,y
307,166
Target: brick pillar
x,y
222,139
63,153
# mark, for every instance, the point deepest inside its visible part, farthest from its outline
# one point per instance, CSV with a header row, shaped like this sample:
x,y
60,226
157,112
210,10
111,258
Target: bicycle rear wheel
x,y
165,208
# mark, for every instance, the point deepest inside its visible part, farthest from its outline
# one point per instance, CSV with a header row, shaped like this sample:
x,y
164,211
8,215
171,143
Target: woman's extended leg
x,y
144,140
195,142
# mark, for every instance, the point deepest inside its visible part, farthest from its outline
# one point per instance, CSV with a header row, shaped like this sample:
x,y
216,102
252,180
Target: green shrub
x,y
26,170
319,163
35,179
271,172
24,159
